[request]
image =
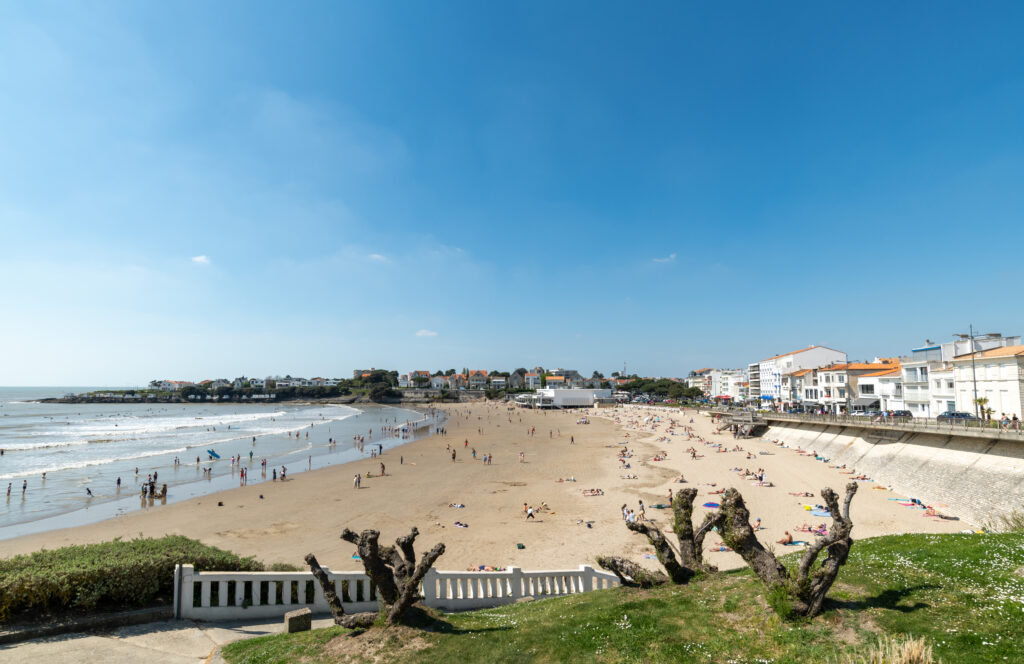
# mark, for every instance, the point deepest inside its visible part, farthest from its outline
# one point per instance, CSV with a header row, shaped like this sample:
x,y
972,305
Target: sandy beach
x,y
307,512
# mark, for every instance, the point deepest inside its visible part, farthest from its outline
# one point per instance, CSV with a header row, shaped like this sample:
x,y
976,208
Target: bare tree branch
x,y
327,586
631,574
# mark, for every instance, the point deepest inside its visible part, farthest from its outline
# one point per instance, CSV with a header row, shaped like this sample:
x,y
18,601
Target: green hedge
x,y
111,575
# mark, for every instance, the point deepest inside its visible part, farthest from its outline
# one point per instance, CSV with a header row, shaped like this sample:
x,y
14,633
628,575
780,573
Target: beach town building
x,y
404,381
838,384
996,375
324,382
172,385
571,376
880,390
800,389
564,398
754,382
439,382
498,383
943,389
516,380
766,379
556,382
700,379
478,379
457,382
361,373
923,361
725,383
419,378
532,381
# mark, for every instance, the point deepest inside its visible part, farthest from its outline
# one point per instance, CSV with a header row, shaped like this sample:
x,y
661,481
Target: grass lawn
x,y
962,593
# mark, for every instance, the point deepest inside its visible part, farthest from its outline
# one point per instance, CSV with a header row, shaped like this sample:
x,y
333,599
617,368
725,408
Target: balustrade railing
x,y
243,595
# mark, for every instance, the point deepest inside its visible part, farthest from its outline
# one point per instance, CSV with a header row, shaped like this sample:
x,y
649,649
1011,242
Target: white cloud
x,y
202,260
426,333
667,259
379,258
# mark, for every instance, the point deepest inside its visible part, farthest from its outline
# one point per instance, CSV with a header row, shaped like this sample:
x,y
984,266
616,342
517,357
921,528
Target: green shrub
x,y
111,575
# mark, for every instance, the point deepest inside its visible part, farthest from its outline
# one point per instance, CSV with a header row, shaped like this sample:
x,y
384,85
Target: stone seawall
x,y
979,479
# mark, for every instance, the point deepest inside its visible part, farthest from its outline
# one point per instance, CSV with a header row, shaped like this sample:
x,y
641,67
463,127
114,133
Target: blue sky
x,y
434,185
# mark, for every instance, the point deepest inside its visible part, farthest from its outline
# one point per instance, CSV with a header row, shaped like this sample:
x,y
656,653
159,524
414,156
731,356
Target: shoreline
x,y
185,482
281,522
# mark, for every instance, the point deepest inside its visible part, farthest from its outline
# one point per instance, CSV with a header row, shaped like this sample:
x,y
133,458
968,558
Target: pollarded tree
x,y
802,592
393,570
679,568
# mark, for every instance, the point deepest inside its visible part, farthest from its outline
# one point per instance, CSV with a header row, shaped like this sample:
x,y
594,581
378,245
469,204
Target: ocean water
x,y
80,446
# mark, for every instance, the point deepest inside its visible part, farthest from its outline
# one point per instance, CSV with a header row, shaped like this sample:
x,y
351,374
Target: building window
x,y
841,378
867,389
842,393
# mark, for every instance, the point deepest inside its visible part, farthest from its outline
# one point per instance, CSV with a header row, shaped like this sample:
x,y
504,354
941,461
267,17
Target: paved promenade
x,y
169,642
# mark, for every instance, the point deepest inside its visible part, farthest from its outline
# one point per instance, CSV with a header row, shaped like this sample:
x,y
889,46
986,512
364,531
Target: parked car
x,y
957,416
902,413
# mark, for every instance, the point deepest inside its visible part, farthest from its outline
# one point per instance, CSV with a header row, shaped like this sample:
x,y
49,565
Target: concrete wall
x,y
978,478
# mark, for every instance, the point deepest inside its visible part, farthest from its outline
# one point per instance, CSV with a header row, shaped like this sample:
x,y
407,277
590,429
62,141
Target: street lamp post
x,y
974,369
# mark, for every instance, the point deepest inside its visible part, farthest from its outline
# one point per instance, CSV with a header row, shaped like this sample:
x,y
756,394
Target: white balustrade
x,y
243,595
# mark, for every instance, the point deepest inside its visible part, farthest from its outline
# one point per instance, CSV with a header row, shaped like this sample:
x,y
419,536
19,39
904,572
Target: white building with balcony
x,y
726,383
771,370
880,390
996,375
917,379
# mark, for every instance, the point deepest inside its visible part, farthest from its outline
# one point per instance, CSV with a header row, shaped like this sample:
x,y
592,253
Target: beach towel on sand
x,y
712,505
821,513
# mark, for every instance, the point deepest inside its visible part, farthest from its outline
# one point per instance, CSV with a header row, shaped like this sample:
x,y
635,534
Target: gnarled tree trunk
x,y
679,570
806,589
393,570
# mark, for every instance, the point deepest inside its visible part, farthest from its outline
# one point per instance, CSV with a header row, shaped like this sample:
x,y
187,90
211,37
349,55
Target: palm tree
x,y
981,402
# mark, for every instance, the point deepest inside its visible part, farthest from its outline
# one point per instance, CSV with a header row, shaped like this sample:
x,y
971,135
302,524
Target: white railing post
x,y
587,574
516,581
183,590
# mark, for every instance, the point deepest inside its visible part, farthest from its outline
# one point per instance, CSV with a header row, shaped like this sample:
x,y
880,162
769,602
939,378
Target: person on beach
x,y
382,470
529,514
24,487
355,481
788,539
9,489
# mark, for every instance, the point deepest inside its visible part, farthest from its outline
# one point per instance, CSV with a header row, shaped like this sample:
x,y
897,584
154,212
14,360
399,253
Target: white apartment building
x,y
771,370
880,390
996,375
943,390
839,385
754,382
917,380
726,383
